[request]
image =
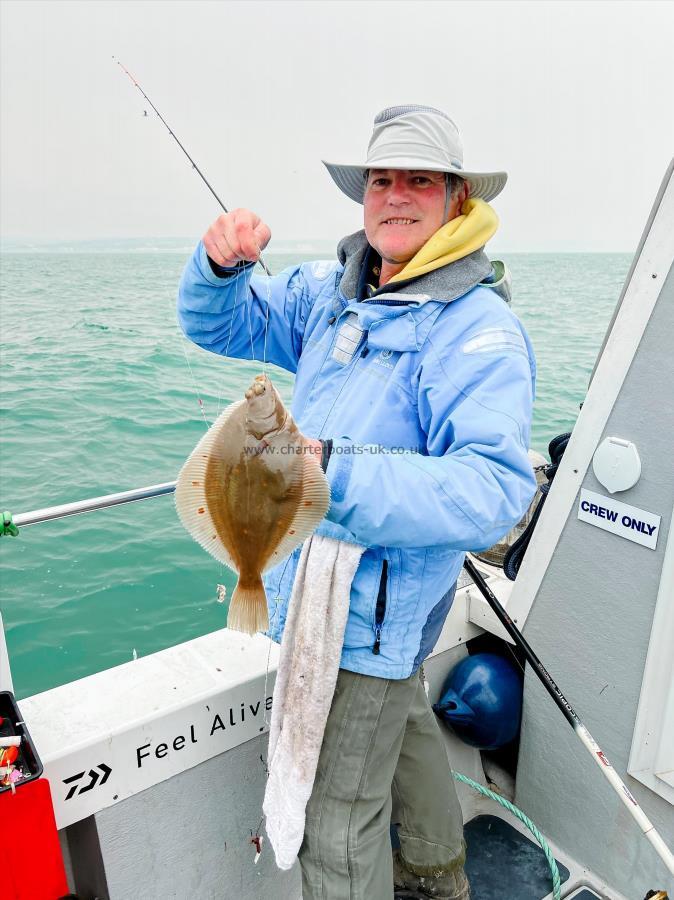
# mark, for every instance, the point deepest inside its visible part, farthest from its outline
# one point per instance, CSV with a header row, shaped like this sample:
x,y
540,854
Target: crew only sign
x,y
628,522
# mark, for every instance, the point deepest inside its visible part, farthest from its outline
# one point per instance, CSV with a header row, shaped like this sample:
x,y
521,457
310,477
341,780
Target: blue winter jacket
x,y
426,389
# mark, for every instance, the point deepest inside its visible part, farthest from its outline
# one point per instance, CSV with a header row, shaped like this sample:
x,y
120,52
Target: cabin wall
x,y
189,836
590,625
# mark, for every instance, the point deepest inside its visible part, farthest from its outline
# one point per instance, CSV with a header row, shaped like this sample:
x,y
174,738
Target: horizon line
x,y
306,241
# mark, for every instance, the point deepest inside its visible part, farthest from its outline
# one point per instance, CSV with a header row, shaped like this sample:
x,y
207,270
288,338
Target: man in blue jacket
x,y
416,382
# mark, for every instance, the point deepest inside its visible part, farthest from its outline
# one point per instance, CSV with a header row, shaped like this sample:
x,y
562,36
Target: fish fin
x,y
190,496
248,608
313,505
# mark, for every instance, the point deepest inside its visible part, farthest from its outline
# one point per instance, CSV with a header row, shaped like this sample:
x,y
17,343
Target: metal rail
x,y
83,506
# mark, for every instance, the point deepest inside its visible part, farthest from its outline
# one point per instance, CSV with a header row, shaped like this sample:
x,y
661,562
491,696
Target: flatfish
x,y
250,492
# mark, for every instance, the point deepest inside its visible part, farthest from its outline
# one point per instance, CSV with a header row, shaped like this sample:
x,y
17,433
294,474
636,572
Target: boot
x,y
408,886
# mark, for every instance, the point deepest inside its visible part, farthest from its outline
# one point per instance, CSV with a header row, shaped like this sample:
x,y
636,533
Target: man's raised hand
x,y
235,236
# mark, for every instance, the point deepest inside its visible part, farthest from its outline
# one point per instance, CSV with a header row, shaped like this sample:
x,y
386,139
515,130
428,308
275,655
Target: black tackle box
x,y
11,725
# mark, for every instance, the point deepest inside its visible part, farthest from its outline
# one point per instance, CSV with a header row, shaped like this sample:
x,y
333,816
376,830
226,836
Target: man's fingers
x,y
231,238
243,227
218,249
238,235
262,234
216,244
213,250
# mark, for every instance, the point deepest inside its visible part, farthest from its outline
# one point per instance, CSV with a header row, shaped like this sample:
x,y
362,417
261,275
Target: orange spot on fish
x,y
201,510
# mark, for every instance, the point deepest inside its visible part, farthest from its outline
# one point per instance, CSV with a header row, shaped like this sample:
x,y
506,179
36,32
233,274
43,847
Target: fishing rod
x,y
573,719
175,138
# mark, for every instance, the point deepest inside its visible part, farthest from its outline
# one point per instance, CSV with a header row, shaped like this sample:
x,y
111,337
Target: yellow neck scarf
x,y
459,237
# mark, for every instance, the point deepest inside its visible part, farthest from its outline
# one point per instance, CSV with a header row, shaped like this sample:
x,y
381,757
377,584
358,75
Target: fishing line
x,y
249,318
194,381
220,587
272,628
250,329
232,314
255,838
266,327
196,168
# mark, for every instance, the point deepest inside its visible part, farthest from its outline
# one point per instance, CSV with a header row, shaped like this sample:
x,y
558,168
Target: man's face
x,y
403,209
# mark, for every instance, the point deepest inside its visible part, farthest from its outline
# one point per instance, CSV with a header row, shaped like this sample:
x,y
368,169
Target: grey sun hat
x,y
414,137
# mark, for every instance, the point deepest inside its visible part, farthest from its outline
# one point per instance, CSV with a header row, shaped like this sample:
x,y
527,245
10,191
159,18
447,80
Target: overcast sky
x,y
575,101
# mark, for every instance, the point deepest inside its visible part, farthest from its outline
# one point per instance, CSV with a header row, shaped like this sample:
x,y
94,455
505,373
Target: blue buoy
x,y
482,701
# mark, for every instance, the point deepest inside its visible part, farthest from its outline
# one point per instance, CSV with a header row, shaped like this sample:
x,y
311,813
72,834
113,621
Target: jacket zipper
x,y
380,610
375,299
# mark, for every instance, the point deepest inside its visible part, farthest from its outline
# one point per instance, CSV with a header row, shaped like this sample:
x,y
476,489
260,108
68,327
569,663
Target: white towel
x,y
305,684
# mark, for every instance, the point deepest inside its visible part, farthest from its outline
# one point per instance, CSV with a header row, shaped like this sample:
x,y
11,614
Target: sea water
x,y
100,393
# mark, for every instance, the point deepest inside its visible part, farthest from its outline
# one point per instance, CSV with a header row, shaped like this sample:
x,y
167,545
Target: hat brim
x,y
351,179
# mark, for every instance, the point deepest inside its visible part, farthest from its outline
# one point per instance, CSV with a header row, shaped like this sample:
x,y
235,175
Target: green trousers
x,y
382,752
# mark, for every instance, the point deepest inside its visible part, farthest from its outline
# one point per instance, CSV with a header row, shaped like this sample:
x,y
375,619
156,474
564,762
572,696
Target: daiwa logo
x,y
383,359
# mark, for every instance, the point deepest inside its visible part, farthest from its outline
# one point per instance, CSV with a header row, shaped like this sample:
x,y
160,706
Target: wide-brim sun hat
x,y
414,137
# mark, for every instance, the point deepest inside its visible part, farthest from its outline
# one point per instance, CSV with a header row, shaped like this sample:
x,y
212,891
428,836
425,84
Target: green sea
x,y
100,393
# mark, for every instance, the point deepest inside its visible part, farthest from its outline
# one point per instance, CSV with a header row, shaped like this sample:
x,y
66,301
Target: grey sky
x,y
574,100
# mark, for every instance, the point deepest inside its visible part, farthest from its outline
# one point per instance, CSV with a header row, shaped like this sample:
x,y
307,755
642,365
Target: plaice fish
x,y
250,492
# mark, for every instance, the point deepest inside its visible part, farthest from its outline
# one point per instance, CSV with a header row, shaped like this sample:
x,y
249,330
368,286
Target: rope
x,y
8,526
506,804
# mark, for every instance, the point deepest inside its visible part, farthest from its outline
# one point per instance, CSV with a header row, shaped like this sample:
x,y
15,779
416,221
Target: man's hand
x,y
238,235
315,448
320,451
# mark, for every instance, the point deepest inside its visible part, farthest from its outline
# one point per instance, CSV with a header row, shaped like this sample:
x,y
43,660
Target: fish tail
x,y
248,608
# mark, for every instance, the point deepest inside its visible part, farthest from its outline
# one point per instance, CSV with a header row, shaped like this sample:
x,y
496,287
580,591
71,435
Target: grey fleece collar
x,y
446,283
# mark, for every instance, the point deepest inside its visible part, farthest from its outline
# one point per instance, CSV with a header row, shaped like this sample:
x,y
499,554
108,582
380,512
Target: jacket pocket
x,y
380,608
